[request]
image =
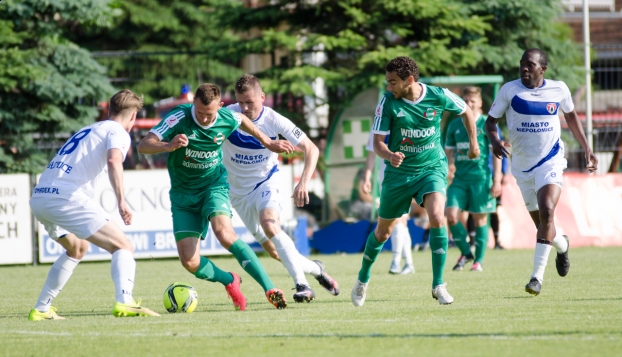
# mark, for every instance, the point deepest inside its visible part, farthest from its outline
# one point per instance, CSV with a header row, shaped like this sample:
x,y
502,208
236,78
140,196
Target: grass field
x,y
579,315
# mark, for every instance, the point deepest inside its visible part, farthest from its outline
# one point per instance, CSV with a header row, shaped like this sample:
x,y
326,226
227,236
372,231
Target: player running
x,y
254,185
199,189
63,202
472,188
416,165
531,105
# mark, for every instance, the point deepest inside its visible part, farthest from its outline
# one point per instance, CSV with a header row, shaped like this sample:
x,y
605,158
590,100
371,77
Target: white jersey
x,y
533,120
249,163
77,165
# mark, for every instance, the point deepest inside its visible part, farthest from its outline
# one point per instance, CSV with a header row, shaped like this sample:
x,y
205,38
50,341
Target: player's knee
x,y
191,265
270,228
452,220
437,219
79,250
546,213
382,236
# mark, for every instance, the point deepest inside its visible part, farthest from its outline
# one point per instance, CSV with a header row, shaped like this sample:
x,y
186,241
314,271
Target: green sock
x,y
438,246
372,249
481,241
459,234
210,272
249,261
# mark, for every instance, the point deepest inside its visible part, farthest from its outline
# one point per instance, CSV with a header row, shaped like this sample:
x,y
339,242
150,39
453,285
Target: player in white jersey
x,y
63,202
401,242
254,188
531,106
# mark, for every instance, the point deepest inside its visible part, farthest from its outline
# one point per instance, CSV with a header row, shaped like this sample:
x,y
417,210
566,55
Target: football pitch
x,y
579,315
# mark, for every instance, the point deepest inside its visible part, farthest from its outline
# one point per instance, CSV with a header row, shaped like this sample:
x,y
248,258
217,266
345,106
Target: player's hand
x,y
280,146
126,214
592,161
301,195
495,189
367,186
180,140
397,158
499,148
473,152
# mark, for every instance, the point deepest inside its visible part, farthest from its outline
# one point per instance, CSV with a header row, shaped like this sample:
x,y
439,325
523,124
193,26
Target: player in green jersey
x,y
472,188
416,165
199,188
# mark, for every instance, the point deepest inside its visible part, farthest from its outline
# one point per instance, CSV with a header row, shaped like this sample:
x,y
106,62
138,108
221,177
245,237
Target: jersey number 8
x,y
72,143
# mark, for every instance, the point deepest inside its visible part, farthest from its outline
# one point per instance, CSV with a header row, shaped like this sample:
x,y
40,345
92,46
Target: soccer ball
x,y
180,297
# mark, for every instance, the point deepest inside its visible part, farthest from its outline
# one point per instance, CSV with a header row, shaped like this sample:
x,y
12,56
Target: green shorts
x,y
471,196
192,211
399,189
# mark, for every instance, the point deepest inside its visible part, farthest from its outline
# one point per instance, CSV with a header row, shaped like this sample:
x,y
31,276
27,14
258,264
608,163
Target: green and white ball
x,y
180,297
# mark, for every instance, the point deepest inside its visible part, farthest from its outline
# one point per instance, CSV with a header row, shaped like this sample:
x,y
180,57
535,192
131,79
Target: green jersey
x,y
198,165
414,127
458,139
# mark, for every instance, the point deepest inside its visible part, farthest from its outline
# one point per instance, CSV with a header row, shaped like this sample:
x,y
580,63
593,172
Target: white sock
x,y
309,266
59,274
540,257
407,243
123,269
397,242
289,256
560,243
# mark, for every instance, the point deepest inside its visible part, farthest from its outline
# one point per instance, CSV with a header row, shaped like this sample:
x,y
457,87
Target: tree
x,y
445,37
48,85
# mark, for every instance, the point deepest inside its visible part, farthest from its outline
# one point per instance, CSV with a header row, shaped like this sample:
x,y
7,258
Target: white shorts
x,y
549,173
267,195
60,216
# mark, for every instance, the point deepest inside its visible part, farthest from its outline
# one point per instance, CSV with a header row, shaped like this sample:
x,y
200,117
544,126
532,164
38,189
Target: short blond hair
x,y
471,90
124,100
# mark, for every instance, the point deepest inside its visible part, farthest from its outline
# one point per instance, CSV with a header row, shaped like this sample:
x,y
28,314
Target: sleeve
x,y
450,141
383,117
566,103
289,130
501,103
370,142
237,120
453,103
118,139
167,128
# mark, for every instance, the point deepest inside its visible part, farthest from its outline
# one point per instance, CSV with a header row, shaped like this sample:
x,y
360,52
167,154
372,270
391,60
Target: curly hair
x,y
246,83
207,93
404,67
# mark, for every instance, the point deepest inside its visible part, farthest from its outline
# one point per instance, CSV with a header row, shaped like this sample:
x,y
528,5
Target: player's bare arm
x,y
499,147
468,119
495,189
370,163
451,167
277,146
311,152
115,175
382,150
577,131
151,144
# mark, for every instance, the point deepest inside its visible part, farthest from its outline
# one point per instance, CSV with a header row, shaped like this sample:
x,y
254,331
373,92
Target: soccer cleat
x,y
131,310
499,247
477,266
440,293
359,292
235,293
276,298
36,315
533,287
303,293
326,280
562,263
408,269
395,268
462,261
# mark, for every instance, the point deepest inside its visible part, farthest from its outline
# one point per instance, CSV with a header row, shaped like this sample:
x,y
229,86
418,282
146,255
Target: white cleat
x,y
408,269
395,268
440,293
359,292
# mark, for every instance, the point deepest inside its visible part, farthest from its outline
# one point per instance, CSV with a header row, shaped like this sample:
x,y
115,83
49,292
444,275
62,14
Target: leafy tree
x,y
47,84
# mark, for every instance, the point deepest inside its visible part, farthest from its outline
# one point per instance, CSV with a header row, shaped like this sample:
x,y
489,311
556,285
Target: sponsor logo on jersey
x,y
418,133
416,149
535,127
407,140
551,108
401,114
52,190
249,159
173,119
429,114
297,132
192,136
196,154
219,138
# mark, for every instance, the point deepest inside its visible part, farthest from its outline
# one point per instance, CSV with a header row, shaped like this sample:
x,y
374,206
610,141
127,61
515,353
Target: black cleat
x,y
562,263
533,287
326,280
462,261
303,293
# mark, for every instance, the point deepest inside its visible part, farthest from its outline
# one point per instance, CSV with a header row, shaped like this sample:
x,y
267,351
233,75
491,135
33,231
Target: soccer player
x,y
199,190
416,165
254,188
63,202
401,242
472,188
531,105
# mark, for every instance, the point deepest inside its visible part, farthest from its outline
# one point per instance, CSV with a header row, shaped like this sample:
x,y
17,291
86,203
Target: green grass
x,y
579,315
